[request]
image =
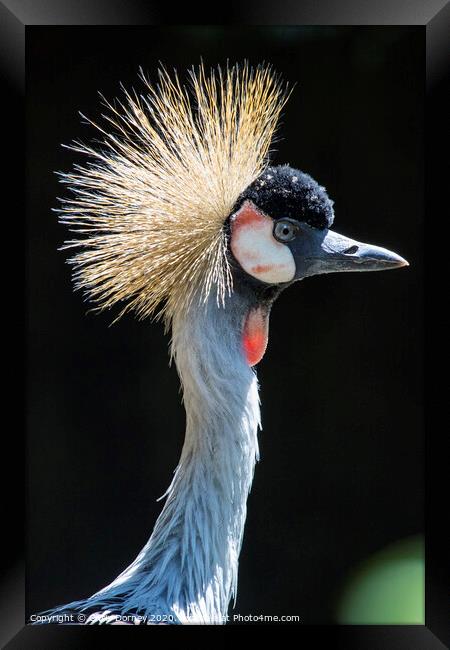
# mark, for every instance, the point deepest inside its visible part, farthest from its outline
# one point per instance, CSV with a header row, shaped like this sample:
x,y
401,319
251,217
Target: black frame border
x,y
15,17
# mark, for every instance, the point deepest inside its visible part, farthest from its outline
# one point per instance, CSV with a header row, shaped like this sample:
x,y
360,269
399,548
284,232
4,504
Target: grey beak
x,y
324,251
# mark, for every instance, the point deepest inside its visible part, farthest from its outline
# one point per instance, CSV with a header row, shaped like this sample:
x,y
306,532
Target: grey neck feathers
x,y
188,567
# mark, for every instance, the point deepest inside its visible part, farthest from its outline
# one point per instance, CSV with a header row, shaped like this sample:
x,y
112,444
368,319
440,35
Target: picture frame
x,y
17,19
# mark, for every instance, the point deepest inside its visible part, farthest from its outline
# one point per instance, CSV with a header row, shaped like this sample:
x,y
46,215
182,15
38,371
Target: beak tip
x,y
392,260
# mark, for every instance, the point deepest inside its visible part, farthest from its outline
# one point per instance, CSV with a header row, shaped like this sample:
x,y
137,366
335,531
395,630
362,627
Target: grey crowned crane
x,y
179,215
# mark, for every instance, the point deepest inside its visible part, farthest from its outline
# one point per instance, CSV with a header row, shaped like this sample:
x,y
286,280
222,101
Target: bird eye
x,y
284,231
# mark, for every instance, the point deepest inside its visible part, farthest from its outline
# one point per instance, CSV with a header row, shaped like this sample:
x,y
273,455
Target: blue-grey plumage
x,y
187,572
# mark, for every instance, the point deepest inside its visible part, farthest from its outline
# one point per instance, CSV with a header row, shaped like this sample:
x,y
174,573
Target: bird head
x,y
279,232
179,203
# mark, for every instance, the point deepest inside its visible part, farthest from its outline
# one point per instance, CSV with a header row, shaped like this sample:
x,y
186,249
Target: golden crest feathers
x,y
149,207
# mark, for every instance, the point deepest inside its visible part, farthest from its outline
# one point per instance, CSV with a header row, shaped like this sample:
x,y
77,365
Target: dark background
x,y
341,471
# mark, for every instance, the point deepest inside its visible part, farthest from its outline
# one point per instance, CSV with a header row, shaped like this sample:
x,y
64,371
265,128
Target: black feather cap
x,y
283,191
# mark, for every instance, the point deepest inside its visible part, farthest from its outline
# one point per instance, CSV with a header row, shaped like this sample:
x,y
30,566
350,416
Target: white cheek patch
x,y
256,249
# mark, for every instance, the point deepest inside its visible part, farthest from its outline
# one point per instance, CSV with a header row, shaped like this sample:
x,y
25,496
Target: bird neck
x,y
189,565
215,472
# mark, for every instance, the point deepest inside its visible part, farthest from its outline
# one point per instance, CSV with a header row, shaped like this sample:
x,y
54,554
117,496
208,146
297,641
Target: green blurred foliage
x,y
388,588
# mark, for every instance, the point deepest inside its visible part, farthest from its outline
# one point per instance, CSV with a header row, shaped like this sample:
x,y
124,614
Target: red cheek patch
x,y
255,335
249,216
262,268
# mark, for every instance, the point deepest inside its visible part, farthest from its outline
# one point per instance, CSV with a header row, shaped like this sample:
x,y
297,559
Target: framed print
x,y
221,427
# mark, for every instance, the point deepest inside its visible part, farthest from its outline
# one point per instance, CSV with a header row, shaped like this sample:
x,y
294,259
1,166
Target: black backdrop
x,y
341,382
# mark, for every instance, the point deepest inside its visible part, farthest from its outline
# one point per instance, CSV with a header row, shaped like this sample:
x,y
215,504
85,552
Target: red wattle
x,y
255,335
